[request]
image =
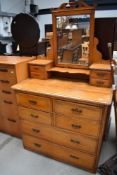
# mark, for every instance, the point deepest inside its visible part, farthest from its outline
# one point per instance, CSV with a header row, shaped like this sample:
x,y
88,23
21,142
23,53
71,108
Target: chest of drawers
x,y
66,127
12,70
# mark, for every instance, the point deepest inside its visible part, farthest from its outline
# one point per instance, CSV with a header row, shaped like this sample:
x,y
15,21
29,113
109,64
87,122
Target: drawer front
x,y
11,126
101,83
7,76
36,69
76,158
9,109
34,115
106,75
7,94
77,110
82,126
54,135
35,102
41,75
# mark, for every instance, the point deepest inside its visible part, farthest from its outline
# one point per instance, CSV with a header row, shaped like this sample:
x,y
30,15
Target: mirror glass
x,y
73,39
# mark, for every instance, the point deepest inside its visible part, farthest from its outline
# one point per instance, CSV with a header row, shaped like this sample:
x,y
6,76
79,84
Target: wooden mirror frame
x,y
82,9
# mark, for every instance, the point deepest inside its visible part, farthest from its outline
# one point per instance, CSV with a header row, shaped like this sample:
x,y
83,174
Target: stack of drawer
x,y
8,111
100,75
67,131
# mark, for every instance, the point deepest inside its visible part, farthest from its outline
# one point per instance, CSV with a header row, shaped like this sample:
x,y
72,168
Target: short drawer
x,y
7,76
88,127
60,137
34,115
34,102
41,75
34,68
101,83
61,153
105,75
77,110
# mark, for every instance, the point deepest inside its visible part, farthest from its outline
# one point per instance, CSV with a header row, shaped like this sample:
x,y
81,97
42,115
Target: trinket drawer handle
x,y
74,157
38,145
12,120
75,141
33,102
100,82
6,92
35,130
3,70
76,126
8,102
34,116
4,81
76,110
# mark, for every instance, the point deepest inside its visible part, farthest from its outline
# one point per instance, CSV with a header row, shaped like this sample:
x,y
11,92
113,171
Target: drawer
x,y
34,102
11,126
61,153
101,83
83,126
36,69
97,74
7,76
7,94
34,115
77,110
9,109
60,137
41,75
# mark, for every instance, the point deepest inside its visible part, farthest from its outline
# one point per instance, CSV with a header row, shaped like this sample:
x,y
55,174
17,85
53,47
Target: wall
x,y
47,19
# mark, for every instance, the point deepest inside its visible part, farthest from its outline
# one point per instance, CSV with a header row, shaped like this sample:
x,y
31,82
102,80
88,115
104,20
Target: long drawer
x,y
77,110
35,115
61,153
60,137
34,102
11,126
88,127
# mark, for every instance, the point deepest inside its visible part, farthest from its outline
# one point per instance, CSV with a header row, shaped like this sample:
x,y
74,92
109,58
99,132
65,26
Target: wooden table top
x,y
13,60
67,90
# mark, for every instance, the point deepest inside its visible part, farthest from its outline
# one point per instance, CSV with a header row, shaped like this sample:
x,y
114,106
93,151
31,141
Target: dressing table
x,y
64,115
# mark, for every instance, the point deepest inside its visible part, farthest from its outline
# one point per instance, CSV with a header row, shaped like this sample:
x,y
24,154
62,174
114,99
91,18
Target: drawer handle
x,y
33,102
76,126
75,141
3,70
12,120
4,81
6,92
74,157
35,130
76,110
34,116
100,82
8,102
38,145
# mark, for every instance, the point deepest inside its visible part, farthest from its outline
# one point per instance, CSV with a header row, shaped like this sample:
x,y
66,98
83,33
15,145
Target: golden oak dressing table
x,y
64,116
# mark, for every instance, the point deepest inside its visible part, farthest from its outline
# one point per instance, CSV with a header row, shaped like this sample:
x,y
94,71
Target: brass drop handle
x,y
35,130
34,116
12,120
6,92
32,102
74,157
38,145
76,126
8,102
75,141
76,110
4,81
